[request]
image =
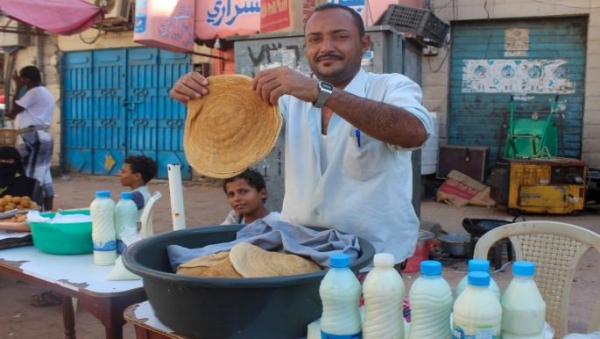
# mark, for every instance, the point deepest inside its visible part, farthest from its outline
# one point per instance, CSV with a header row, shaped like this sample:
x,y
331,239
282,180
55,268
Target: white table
x,y
75,276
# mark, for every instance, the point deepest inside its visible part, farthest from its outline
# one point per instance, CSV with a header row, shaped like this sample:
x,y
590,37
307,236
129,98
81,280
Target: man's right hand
x,y
190,86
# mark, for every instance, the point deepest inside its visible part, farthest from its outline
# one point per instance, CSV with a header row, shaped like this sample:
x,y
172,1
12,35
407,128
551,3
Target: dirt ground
x,y
205,205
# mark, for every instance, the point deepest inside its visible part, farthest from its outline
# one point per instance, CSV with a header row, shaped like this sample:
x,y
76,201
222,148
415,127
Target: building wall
x,y
436,68
48,57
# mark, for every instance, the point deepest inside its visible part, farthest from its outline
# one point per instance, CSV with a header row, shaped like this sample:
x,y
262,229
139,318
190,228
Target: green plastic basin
x,y
60,238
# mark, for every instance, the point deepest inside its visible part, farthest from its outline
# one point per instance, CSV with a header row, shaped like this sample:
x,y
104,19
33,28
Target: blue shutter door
x,y
77,120
116,103
107,110
533,59
171,114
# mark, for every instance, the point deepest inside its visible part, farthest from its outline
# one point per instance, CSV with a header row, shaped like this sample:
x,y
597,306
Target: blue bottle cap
x,y
480,265
479,278
526,268
102,194
126,195
339,260
431,268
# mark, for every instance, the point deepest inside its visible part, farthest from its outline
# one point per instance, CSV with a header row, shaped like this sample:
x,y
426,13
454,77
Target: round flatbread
x,y
215,265
253,262
230,128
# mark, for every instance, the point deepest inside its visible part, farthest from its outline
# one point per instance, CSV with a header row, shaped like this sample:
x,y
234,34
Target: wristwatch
x,y
325,91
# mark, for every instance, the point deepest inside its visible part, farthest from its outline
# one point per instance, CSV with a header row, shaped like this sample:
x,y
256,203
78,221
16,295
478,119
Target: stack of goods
x,y
477,312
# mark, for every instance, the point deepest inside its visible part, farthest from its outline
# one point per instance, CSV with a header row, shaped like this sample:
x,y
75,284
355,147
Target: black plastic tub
x,y
211,308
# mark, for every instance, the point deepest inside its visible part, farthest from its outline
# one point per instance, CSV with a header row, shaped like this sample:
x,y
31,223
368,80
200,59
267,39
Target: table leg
x,y
109,310
68,317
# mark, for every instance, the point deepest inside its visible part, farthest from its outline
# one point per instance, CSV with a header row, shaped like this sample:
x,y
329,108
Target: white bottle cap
x,y
383,260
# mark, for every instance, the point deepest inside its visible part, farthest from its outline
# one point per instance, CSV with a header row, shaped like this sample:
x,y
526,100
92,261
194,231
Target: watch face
x,y
326,86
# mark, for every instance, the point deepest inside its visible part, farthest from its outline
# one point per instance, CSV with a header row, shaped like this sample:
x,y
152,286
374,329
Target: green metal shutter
x,y
532,59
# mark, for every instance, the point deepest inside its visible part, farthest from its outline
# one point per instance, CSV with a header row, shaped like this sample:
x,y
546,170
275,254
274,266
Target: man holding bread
x,y
348,135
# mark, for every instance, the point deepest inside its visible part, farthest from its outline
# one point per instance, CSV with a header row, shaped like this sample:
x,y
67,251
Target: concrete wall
x,y
436,68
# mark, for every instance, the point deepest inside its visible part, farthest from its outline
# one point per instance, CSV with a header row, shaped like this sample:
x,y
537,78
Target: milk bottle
x,y
383,293
340,293
103,229
523,308
430,299
475,265
477,313
126,216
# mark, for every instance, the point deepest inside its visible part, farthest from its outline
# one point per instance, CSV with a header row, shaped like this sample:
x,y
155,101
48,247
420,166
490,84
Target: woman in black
x,y
13,180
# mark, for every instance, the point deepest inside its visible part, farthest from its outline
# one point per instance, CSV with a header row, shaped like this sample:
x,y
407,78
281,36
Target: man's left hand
x,y
271,84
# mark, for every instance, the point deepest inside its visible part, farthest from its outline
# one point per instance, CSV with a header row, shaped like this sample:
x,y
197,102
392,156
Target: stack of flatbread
x,y
230,128
247,261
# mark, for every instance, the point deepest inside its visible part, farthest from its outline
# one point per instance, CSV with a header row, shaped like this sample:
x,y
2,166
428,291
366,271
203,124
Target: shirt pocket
x,y
363,160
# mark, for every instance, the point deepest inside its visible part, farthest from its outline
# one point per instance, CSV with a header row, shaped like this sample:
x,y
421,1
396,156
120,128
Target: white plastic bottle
x,y
430,299
477,265
126,216
523,308
103,229
340,294
383,293
477,313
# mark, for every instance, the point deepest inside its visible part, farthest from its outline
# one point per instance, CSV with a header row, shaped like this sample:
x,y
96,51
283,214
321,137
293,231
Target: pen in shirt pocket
x,y
357,134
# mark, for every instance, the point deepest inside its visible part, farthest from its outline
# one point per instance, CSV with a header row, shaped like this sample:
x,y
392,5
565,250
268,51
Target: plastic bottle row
x,y
110,224
479,311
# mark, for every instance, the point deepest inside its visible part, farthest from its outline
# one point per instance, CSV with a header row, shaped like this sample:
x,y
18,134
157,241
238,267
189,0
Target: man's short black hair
x,y
32,73
143,165
357,19
252,177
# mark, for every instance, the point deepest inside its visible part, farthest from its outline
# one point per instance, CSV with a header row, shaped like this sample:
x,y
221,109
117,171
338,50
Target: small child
x,y
246,194
136,172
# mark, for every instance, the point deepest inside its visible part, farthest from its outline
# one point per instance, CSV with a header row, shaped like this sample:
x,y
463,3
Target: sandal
x,y
44,299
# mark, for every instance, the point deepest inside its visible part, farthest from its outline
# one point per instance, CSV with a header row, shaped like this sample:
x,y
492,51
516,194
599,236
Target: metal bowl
x,y
274,307
456,244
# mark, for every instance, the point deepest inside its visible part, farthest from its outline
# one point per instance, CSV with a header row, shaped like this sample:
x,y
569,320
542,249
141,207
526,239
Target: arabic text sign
x,y
517,76
166,25
223,18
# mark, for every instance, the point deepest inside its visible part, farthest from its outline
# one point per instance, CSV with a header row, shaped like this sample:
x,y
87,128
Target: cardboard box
x,y
165,25
461,190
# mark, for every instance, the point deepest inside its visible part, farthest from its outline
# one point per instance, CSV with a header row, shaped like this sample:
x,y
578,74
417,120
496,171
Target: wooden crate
x,y
8,137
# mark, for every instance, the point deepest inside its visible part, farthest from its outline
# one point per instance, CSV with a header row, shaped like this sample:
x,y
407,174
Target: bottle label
x,y
480,332
108,246
325,335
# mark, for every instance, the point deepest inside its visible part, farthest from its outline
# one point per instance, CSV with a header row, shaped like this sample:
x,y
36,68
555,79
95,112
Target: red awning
x,y
63,17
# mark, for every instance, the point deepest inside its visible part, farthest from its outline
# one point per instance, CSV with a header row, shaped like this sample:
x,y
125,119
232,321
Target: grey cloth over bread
x,y
278,236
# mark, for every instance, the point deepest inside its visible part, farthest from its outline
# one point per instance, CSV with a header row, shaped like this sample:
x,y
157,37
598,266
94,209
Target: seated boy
x,y
246,194
136,172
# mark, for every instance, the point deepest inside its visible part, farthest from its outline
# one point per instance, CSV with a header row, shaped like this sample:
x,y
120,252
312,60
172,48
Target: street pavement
x,y
205,204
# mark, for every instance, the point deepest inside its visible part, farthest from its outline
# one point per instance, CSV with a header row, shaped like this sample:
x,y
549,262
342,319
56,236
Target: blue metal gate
x,y
532,59
116,103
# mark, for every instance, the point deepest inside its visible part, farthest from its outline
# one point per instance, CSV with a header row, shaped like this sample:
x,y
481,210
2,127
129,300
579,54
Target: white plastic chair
x,y
556,249
146,229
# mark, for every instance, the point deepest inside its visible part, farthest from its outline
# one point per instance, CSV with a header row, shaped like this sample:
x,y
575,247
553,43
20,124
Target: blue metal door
x,y
532,59
77,121
117,104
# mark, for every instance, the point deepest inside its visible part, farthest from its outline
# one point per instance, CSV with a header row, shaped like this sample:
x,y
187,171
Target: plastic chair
x,y
146,228
556,249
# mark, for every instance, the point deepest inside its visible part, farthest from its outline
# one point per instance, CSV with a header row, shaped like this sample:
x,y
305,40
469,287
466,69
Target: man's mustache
x,y
329,55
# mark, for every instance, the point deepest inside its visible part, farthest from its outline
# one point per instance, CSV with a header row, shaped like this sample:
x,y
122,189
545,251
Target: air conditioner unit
x,y
115,10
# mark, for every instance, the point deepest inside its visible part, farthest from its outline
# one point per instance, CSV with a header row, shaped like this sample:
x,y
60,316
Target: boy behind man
x,y
136,172
246,194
